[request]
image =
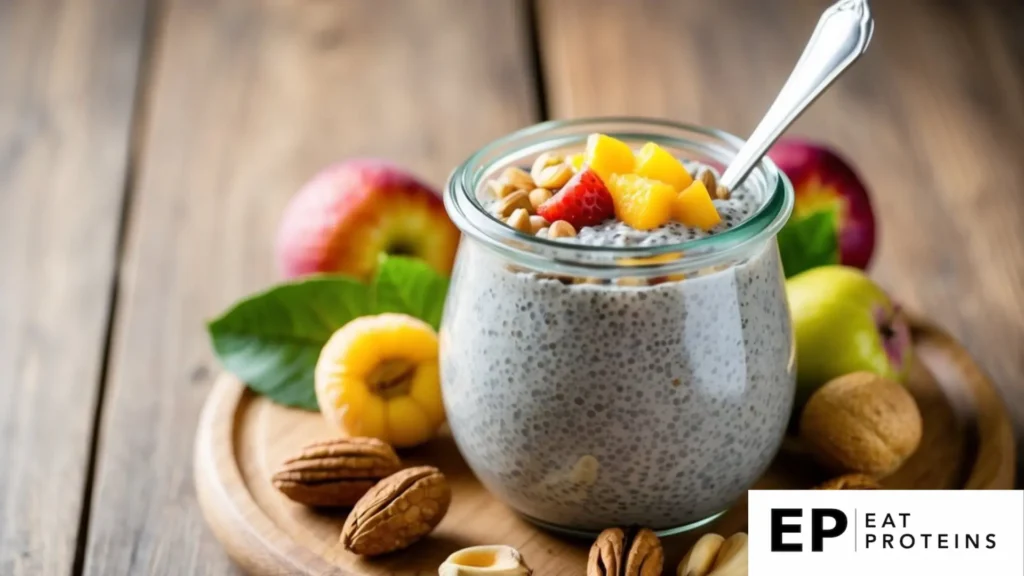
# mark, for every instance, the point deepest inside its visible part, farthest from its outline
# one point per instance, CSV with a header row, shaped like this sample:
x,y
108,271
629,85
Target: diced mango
x,y
656,163
693,207
608,156
576,161
640,202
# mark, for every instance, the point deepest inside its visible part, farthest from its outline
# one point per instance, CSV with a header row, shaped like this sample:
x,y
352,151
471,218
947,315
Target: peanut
x,y
537,223
520,220
542,162
517,178
539,196
554,177
499,188
561,229
512,202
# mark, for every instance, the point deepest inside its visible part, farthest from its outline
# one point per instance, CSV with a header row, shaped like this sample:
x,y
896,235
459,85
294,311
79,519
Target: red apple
x,y
343,219
822,179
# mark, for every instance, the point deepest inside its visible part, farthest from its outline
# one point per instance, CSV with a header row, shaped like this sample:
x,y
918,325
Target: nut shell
x,y
629,552
861,422
335,472
397,512
493,560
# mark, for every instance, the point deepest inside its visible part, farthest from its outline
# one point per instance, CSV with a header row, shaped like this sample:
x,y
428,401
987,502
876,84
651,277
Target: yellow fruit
x,y
642,203
576,161
377,376
656,163
694,207
608,156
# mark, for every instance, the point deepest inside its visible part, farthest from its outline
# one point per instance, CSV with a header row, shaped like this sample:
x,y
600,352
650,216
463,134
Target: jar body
x,y
586,404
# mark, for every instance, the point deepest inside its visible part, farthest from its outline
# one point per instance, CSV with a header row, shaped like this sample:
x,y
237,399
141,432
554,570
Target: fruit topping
x,y
656,163
575,161
693,207
583,201
608,156
640,202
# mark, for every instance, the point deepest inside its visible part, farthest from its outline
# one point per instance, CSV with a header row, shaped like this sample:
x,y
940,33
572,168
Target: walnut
x,y
861,422
626,552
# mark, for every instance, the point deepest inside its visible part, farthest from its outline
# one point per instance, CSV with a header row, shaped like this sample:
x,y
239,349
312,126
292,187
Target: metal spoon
x,y
842,35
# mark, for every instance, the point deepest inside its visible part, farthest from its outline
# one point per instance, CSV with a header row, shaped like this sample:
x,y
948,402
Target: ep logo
x,y
824,523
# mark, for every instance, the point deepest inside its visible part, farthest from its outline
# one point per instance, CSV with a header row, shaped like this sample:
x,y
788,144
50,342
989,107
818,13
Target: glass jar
x,y
597,386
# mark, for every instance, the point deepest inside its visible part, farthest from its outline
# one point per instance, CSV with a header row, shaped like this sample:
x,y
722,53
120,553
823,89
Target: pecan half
x,y
629,552
397,512
335,472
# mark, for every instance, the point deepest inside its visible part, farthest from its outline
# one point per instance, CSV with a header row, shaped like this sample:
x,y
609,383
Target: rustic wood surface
x,y
245,101
68,74
147,146
242,439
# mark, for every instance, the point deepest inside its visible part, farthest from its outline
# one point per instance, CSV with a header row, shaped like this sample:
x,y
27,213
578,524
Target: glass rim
x,y
469,215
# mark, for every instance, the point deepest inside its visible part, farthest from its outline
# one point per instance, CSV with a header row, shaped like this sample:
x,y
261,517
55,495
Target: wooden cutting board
x,y
242,437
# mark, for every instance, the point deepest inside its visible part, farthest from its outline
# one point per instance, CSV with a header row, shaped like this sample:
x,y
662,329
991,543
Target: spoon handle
x,y
842,35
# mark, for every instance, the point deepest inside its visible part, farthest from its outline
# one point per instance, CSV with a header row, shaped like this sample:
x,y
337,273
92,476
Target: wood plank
x,y
67,85
248,100
931,117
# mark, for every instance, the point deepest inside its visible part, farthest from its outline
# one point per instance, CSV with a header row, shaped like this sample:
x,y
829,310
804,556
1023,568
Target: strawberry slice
x,y
583,201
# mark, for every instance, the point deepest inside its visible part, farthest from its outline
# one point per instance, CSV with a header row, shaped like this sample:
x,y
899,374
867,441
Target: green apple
x,y
844,323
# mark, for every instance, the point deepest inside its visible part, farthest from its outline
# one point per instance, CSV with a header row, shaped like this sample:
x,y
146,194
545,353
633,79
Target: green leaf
x,y
412,287
271,341
809,240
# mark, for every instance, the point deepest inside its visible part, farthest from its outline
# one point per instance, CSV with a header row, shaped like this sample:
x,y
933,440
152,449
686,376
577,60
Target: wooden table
x,y
147,148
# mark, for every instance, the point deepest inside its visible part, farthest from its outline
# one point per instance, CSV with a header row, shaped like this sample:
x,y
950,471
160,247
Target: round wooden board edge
x,y
995,461
229,509
253,541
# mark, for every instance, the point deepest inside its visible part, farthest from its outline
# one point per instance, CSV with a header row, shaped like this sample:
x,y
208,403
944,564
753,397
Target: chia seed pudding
x,y
650,397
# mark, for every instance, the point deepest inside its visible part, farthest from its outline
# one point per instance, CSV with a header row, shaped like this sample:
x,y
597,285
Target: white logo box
x,y
897,532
